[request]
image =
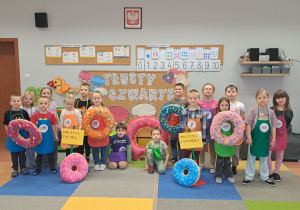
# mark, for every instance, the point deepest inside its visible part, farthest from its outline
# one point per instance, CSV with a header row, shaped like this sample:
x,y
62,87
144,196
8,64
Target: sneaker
x,y
24,171
173,160
271,176
231,180
201,166
277,177
151,169
87,158
218,180
246,181
53,170
270,183
212,170
14,174
36,172
234,171
97,167
102,167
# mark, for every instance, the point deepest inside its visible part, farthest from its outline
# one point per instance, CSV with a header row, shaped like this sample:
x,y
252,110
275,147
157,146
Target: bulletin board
x,y
183,57
88,54
135,93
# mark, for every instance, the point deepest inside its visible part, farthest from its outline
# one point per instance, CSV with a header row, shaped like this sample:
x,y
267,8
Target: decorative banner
x,y
71,136
190,140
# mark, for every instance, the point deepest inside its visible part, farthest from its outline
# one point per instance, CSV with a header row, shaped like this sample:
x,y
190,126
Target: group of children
x,y
265,132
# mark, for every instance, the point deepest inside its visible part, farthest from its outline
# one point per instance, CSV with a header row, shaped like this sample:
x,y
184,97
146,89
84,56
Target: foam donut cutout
x,y
74,168
237,123
167,111
90,115
132,128
35,136
186,172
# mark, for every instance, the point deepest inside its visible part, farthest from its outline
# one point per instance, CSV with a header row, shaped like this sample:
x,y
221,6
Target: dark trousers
x,y
85,146
17,157
186,154
39,159
223,163
77,150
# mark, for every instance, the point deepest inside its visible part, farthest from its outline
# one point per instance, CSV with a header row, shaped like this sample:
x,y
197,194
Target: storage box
x,y
266,70
285,70
273,52
255,70
275,69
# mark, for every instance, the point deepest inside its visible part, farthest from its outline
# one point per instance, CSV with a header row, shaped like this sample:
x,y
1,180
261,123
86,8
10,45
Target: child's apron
x,y
281,134
119,152
222,150
47,144
12,146
261,137
193,125
69,122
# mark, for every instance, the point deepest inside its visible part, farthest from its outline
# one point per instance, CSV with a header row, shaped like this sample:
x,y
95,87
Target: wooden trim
x,y
263,75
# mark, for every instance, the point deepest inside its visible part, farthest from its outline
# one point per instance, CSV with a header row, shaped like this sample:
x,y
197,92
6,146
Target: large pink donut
x,y
35,136
74,168
132,128
237,123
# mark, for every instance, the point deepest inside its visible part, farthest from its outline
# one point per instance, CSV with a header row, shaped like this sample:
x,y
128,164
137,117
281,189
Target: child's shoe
x,y
212,170
201,166
14,174
53,170
246,181
270,183
231,180
271,176
97,167
87,158
234,171
24,171
219,180
102,167
173,160
276,177
36,172
151,170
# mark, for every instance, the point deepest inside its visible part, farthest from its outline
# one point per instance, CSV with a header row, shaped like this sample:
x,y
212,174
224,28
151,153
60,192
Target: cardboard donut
x,y
167,111
35,136
186,172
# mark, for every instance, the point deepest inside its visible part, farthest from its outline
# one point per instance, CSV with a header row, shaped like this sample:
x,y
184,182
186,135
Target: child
x,y
17,152
260,123
231,92
284,114
193,119
46,122
120,144
82,104
210,105
69,118
156,150
96,144
47,92
175,120
223,163
28,99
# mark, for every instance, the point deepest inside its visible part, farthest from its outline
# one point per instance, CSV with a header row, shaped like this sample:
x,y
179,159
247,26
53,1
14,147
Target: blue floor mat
x,y
44,184
168,188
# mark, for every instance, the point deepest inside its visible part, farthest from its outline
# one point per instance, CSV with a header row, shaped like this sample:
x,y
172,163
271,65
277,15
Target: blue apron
x,y
119,151
47,144
12,146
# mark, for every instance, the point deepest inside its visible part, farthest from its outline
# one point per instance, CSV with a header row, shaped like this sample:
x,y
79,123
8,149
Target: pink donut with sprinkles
x,y
35,136
238,128
74,168
140,122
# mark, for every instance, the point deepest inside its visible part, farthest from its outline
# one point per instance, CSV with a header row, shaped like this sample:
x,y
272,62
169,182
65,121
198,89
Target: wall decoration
x,y
120,114
59,86
133,17
143,109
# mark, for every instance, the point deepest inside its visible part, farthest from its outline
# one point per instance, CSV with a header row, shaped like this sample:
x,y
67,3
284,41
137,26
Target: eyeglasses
x,y
28,99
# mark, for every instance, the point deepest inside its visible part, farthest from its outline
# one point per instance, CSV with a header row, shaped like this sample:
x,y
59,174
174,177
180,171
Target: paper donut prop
x,y
74,168
133,127
186,172
90,115
35,136
167,111
238,131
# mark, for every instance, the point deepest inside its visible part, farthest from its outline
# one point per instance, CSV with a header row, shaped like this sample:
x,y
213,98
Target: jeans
x,y
17,157
174,144
30,157
95,151
223,162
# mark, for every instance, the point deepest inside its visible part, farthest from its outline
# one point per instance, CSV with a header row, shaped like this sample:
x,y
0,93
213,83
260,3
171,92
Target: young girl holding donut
x,y
28,99
47,92
223,163
260,124
210,105
98,123
284,114
70,118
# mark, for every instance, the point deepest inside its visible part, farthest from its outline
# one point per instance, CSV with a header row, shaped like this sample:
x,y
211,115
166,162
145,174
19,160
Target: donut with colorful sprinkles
x,y
165,113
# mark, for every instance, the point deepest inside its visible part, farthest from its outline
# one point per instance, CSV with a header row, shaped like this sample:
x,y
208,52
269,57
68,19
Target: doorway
x,y
9,77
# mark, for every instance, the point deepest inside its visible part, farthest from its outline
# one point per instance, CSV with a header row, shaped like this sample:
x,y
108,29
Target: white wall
x,y
237,24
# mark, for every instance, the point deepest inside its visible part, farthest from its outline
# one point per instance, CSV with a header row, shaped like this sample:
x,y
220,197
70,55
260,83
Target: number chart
x,y
197,58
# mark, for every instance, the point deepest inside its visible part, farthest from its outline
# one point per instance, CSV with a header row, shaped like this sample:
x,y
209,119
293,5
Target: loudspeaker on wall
x,y
41,20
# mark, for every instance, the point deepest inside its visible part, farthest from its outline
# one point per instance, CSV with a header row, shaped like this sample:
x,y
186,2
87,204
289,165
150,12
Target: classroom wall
x,y
237,24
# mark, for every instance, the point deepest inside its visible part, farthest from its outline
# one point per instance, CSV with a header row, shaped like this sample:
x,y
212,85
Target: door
x,y
9,76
